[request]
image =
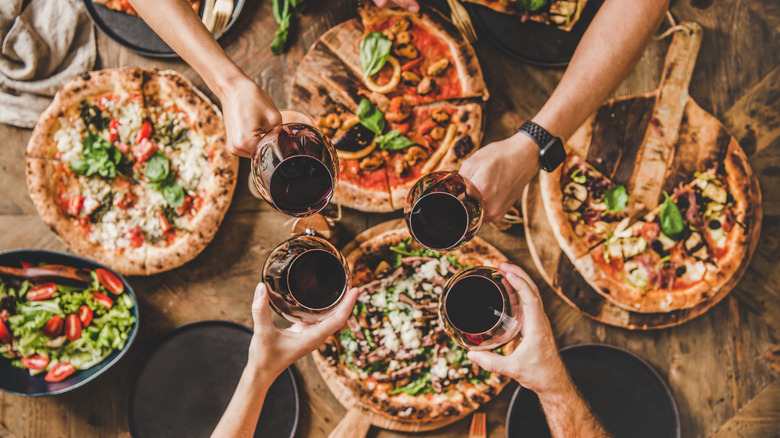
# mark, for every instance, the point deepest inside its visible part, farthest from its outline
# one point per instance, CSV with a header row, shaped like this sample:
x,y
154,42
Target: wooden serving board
x,y
649,143
359,419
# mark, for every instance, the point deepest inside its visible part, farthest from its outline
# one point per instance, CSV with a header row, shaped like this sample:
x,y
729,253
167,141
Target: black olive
x,y
714,224
699,199
357,137
680,271
657,246
729,198
683,204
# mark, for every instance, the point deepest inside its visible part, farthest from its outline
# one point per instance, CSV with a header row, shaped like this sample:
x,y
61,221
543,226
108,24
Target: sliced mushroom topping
x,y
372,162
437,133
440,116
406,50
401,167
633,246
571,203
576,191
438,67
425,86
715,191
403,38
410,78
401,25
694,242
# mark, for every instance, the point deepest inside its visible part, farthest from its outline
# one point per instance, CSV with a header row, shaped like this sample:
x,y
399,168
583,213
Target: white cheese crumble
x,y
440,368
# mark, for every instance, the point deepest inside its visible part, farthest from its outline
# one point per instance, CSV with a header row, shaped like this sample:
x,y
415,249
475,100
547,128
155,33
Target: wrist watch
x,y
551,152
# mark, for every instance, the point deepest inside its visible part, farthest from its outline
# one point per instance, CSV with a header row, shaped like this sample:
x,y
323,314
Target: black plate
x,y
623,390
133,33
19,382
532,42
185,384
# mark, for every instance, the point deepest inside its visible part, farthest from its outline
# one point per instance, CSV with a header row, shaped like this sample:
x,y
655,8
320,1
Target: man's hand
x,y
273,349
535,364
406,4
249,113
501,171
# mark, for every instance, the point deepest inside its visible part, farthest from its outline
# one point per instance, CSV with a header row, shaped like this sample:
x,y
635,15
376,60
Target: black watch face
x,y
552,155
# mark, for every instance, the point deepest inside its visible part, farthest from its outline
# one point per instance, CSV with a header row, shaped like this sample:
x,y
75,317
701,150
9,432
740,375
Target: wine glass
x,y
306,277
479,309
443,210
295,167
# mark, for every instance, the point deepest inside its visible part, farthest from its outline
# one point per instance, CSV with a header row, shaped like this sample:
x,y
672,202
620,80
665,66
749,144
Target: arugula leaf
x,y
454,262
404,249
672,223
370,116
369,340
616,198
173,194
415,387
158,168
393,141
374,50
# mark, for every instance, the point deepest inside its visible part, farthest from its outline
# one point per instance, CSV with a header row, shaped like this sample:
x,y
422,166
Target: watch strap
x,y
537,133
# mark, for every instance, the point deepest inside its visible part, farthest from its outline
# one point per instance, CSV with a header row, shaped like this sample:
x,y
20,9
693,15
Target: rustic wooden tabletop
x,y
722,367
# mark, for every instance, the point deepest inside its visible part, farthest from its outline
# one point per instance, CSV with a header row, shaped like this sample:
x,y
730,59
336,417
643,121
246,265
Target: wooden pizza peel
x,y
649,143
359,419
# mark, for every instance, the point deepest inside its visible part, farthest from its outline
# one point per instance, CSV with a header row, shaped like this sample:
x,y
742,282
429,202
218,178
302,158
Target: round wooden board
x,y
359,417
622,140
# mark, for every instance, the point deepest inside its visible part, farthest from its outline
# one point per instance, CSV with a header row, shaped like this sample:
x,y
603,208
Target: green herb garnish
x,y
370,116
374,50
100,157
672,223
616,198
393,141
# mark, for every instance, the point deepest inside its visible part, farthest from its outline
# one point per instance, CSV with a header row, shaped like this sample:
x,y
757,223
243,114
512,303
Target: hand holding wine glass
x,y
248,112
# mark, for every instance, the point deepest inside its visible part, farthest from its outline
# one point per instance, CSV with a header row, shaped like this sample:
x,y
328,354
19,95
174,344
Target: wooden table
x,y
722,367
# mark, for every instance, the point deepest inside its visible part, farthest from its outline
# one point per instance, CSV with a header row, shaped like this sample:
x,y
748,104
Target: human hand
x,y
501,171
249,113
406,4
535,363
273,349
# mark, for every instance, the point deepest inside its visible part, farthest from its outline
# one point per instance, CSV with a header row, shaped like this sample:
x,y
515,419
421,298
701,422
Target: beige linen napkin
x,y
44,46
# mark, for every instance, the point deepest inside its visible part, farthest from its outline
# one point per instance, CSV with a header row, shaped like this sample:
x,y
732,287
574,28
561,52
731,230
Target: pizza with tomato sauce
x,y
129,167
562,14
399,94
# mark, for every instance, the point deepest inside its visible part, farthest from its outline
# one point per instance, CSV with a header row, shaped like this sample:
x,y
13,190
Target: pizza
x,y
562,14
420,111
674,257
393,355
129,167
127,8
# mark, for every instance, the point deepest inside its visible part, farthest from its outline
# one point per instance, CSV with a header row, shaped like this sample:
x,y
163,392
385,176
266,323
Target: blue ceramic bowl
x,y
18,381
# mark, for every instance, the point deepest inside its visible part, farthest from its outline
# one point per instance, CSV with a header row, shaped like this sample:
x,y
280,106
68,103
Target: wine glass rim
x,y
341,262
461,276
462,236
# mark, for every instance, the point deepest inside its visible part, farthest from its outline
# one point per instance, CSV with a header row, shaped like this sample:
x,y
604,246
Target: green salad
x,y
58,329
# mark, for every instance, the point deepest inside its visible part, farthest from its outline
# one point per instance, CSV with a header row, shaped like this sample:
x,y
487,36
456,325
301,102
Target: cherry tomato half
x,y
35,362
102,300
110,281
5,335
145,132
59,372
85,315
42,291
53,328
72,327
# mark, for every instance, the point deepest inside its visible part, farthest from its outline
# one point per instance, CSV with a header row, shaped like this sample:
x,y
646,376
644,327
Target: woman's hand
x,y
273,349
249,113
500,171
535,363
406,4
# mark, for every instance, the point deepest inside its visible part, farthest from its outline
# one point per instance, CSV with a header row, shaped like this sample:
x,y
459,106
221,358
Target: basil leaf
x,y
533,5
616,198
158,168
374,50
393,141
173,194
370,116
672,223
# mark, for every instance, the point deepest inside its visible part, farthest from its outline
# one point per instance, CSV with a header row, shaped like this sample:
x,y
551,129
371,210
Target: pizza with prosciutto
x,y
129,167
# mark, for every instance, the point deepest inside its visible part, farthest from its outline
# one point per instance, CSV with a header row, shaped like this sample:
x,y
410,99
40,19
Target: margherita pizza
x,y
129,168
418,109
393,355
560,13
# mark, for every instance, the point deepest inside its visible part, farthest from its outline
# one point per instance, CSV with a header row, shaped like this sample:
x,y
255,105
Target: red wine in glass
x,y
295,169
479,309
306,277
443,211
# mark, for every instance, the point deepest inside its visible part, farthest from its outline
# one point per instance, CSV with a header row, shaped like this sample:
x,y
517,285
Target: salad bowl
x,y
17,380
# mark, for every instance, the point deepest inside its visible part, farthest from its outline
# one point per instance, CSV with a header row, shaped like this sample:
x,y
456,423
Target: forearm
x,y
608,51
181,28
240,417
569,415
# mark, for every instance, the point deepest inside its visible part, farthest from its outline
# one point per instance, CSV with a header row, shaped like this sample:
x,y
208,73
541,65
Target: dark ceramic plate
x,y
532,42
623,390
185,384
132,32
19,382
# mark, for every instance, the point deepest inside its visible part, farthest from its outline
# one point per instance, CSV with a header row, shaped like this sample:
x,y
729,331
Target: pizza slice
x,y
584,206
562,14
